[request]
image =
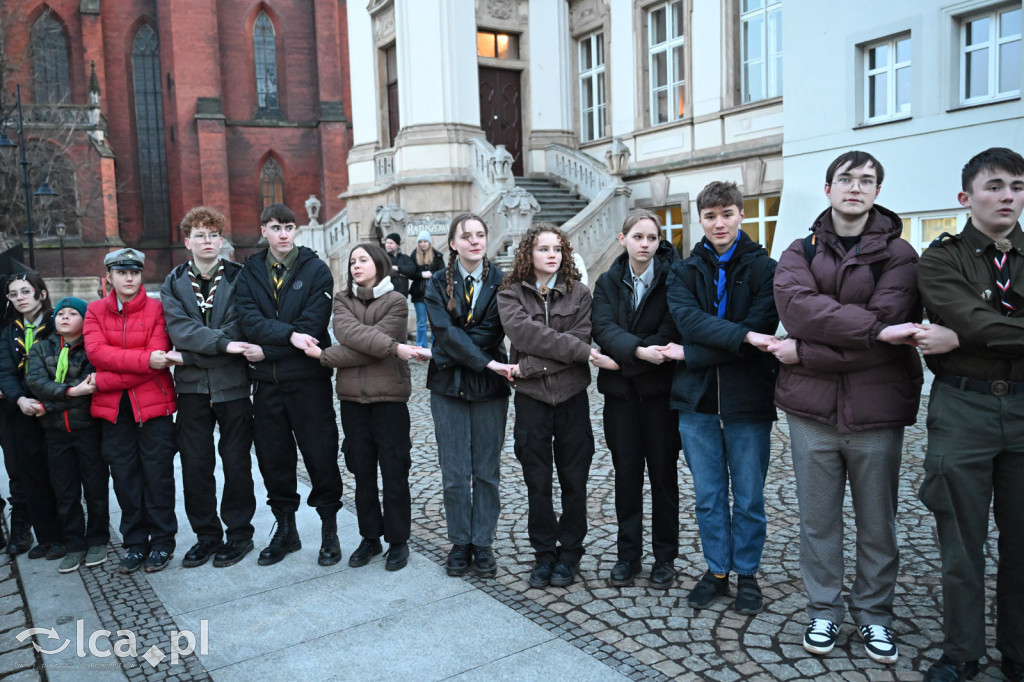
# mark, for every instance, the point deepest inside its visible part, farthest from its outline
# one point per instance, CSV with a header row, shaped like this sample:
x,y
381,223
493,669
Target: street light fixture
x,y
61,231
45,193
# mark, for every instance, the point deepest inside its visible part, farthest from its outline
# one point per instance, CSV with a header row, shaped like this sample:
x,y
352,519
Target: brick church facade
x,y
167,104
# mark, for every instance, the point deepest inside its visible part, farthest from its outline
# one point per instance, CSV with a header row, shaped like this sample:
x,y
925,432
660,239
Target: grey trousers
x,y
823,459
469,439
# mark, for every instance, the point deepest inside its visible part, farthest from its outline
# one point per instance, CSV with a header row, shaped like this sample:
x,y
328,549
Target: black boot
x,y
284,542
330,548
21,532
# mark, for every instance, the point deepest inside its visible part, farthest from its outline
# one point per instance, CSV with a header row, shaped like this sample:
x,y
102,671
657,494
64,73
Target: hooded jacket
x,y
716,356
208,368
119,344
13,360
369,327
303,305
835,309
62,413
550,338
619,330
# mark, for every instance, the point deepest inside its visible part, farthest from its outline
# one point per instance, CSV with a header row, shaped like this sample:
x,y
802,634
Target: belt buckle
x,y
999,388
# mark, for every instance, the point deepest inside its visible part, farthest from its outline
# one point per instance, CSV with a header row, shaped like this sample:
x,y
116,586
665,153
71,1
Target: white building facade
x,y
922,85
621,102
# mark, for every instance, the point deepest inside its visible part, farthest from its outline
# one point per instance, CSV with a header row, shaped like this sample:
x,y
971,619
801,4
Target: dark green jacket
x,y
957,282
62,413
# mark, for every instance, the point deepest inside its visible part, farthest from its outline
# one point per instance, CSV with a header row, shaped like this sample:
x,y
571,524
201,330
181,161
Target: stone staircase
x,y
557,204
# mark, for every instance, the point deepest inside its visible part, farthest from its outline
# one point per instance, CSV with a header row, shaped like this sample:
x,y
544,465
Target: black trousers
x,y
29,471
303,412
197,417
555,438
377,435
639,433
6,444
77,469
141,460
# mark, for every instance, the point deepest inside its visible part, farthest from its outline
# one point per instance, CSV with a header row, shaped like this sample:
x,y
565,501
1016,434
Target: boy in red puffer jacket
x,y
126,341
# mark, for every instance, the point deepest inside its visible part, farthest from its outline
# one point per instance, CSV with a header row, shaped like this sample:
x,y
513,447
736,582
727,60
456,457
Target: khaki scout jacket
x,y
550,339
958,285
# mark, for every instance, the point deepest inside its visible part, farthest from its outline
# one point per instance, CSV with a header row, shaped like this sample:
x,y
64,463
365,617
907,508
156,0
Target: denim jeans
x,y
469,438
732,538
421,323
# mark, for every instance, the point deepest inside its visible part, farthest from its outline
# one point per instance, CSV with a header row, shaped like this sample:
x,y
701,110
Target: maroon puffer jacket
x,y
835,309
119,345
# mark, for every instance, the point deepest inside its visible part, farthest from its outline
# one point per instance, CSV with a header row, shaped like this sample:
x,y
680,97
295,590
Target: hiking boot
x,y
330,546
284,541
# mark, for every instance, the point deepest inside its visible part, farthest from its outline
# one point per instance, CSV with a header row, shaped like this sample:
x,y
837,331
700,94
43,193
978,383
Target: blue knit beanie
x,y
71,302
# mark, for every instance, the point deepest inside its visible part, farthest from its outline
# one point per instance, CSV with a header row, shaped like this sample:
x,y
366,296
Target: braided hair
x,y
453,256
522,264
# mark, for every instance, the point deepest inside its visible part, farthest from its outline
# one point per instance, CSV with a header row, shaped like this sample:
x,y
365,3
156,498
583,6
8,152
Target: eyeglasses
x,y
203,237
15,295
847,182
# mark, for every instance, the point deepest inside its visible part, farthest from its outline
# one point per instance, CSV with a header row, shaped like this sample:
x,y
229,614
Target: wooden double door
x,y
501,112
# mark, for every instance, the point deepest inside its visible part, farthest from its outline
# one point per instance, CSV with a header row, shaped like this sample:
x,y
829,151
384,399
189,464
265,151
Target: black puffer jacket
x,y
714,346
619,330
418,287
303,305
458,367
13,360
62,413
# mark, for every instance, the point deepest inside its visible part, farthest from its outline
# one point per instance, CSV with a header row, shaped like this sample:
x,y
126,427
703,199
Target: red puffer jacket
x,y
119,345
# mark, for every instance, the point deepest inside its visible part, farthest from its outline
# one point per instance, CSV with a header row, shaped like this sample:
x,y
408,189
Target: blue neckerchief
x,y
720,281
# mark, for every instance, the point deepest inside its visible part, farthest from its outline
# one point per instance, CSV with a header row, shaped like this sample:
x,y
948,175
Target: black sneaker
x,y
564,573
879,644
364,552
459,559
947,670
484,564
820,636
663,574
200,553
1013,670
398,556
58,550
749,600
157,560
706,590
624,573
231,552
132,561
39,551
540,576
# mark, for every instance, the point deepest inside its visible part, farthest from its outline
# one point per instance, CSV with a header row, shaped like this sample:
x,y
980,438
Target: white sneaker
x,y
878,643
820,636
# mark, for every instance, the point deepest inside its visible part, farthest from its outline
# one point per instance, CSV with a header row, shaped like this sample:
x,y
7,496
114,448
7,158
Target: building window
x,y
592,93
391,88
50,61
149,130
271,183
760,49
497,45
922,230
760,215
264,50
666,62
673,228
887,79
990,56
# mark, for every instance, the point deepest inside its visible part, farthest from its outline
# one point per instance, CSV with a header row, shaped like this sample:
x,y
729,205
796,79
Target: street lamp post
x,y
60,233
44,192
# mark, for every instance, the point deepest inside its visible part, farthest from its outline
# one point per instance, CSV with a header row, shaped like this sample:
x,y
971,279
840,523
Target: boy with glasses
x,y
213,390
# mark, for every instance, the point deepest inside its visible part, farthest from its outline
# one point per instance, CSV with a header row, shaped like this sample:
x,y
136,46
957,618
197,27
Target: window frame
x,y
668,47
264,49
272,178
597,74
670,228
772,75
761,219
993,44
913,225
48,45
890,70
147,102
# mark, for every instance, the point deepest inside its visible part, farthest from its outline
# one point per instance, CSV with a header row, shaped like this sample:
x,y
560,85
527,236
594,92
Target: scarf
x,y
205,303
62,363
368,294
723,260
24,336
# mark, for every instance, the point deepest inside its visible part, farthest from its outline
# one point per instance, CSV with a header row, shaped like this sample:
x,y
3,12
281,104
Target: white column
x,y
363,75
437,74
623,83
551,77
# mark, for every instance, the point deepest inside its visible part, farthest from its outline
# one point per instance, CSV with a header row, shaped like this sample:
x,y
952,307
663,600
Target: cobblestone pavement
x,y
649,633
18,660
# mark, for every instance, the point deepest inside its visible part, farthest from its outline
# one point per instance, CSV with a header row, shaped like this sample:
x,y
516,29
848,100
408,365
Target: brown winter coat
x,y
550,339
835,309
368,333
